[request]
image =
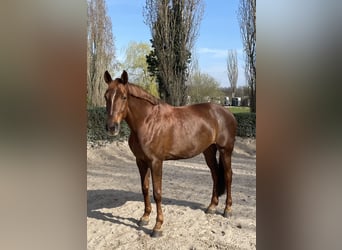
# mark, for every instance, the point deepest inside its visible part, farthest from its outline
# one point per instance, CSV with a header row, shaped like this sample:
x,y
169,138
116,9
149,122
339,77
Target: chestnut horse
x,y
162,132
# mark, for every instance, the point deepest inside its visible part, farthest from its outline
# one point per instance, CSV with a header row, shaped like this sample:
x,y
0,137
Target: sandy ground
x,y
115,202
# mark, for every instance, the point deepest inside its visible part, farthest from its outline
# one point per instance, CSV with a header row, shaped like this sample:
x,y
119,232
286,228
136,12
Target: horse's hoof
x,y
156,233
210,211
143,223
227,213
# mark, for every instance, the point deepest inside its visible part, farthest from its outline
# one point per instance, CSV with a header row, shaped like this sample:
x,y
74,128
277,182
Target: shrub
x,y
96,133
246,124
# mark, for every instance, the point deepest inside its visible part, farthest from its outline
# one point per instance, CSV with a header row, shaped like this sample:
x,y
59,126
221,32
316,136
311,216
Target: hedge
x,y
246,124
96,133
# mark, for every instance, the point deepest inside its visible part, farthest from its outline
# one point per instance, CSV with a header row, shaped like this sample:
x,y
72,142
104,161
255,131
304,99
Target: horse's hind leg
x,y
145,182
226,157
210,158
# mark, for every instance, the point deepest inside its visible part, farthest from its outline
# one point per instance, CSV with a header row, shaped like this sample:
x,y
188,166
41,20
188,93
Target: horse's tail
x,y
221,186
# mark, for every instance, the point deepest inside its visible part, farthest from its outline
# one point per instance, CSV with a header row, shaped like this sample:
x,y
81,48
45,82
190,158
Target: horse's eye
x,y
124,97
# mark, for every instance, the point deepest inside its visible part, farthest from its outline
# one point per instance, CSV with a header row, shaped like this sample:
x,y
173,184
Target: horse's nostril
x,y
110,127
113,128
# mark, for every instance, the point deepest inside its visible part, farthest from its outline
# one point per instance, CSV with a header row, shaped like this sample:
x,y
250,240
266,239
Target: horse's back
x,y
215,111
208,120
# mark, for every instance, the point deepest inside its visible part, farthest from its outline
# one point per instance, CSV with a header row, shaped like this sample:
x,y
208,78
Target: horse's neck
x,y
138,110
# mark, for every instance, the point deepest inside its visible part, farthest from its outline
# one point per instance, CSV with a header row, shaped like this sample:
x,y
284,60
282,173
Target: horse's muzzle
x,y
113,129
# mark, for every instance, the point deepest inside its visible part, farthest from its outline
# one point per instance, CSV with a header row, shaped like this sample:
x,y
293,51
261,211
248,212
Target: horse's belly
x,y
184,150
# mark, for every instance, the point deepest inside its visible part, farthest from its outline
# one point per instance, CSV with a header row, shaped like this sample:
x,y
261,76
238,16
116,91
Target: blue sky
x,y
219,31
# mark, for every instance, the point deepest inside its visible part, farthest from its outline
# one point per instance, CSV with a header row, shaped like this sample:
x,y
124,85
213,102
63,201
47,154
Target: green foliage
x,y
203,87
96,133
152,67
135,56
237,109
137,66
152,62
152,88
246,124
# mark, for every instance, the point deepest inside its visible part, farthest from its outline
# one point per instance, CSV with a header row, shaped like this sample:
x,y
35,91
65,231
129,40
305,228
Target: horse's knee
x,y
145,189
229,171
157,195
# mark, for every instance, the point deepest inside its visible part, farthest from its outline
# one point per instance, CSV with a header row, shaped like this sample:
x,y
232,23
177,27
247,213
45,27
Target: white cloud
x,y
214,52
219,53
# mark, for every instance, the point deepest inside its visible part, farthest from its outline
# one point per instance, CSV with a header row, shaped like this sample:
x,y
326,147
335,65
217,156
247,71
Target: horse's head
x,y
116,102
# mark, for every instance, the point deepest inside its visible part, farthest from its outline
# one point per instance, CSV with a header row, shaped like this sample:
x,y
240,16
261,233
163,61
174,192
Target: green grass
x,y
234,109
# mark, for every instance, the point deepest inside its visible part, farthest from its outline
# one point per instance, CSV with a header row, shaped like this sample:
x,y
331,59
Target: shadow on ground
x,y
110,198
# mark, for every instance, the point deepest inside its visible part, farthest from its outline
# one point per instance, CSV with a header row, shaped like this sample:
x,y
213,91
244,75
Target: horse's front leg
x,y
156,170
145,182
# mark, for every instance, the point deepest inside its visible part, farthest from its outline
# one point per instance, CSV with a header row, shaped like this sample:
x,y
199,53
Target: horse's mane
x,y
138,92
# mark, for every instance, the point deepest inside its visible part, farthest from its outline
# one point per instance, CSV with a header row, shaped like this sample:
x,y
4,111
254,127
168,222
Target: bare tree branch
x,y
247,20
100,50
232,69
174,27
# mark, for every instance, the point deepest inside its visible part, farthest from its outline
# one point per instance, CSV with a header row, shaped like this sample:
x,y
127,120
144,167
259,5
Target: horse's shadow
x,y
111,198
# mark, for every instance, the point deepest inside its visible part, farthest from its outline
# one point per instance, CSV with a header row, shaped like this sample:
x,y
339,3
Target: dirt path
x,y
115,202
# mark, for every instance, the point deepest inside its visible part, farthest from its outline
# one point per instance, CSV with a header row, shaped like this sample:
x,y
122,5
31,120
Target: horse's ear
x,y
107,77
124,77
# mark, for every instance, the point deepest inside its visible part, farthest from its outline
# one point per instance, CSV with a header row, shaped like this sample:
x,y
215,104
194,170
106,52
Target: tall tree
x,y
100,51
232,69
174,26
247,20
